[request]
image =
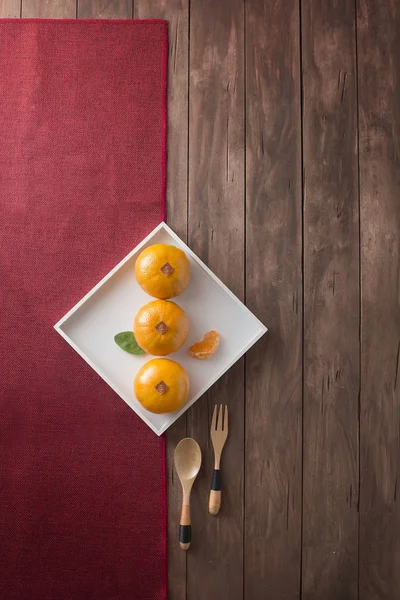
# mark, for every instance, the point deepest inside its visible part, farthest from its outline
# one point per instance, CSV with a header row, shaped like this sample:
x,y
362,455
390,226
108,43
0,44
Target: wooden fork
x,y
219,433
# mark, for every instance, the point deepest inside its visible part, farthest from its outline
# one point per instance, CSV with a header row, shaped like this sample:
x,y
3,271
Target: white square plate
x,y
110,307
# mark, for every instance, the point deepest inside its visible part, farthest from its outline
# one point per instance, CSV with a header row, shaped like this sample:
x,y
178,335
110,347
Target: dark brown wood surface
x,y
284,176
216,234
378,29
48,9
10,9
104,9
331,301
274,292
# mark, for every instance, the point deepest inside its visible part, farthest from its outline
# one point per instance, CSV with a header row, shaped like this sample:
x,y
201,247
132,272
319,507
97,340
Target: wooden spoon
x,y
187,459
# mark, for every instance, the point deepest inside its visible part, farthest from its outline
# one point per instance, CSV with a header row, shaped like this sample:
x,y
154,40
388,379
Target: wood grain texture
x,y
176,12
105,9
378,30
331,302
49,9
216,234
10,9
274,294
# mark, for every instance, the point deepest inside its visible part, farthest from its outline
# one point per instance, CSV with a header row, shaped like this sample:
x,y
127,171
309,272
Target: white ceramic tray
x,y
110,307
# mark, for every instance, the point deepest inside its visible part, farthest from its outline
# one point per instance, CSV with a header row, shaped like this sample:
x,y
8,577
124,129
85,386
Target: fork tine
x,y
226,419
214,419
220,422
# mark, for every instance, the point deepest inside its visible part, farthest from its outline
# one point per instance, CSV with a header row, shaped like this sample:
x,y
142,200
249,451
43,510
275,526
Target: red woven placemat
x,y
82,180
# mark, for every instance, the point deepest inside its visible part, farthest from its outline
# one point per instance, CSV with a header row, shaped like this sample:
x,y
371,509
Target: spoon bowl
x,y
187,458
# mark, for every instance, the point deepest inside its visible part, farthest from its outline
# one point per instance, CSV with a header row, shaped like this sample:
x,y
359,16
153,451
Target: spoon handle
x,y
185,528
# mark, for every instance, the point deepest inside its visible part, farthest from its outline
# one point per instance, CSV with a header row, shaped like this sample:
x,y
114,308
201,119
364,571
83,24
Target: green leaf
x,y
127,341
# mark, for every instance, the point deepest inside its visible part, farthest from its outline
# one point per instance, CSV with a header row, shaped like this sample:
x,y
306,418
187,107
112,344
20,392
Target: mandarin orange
x,y
161,327
162,270
161,385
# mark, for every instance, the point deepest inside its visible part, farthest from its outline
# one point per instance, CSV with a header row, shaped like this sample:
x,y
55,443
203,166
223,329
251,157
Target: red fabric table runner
x,y
82,180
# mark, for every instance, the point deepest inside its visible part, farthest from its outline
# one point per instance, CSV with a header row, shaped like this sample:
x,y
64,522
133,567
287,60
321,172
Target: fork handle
x,y
214,503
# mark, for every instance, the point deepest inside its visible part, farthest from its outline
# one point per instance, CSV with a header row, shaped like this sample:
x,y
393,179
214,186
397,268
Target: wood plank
x,y
274,294
331,302
10,9
176,12
105,9
216,234
49,9
378,31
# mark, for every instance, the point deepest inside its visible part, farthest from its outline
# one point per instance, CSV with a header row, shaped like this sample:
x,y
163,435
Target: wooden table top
x,y
284,177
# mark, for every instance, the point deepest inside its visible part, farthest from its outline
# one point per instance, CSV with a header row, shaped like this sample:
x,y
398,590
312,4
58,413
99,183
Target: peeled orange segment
x,y
206,347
